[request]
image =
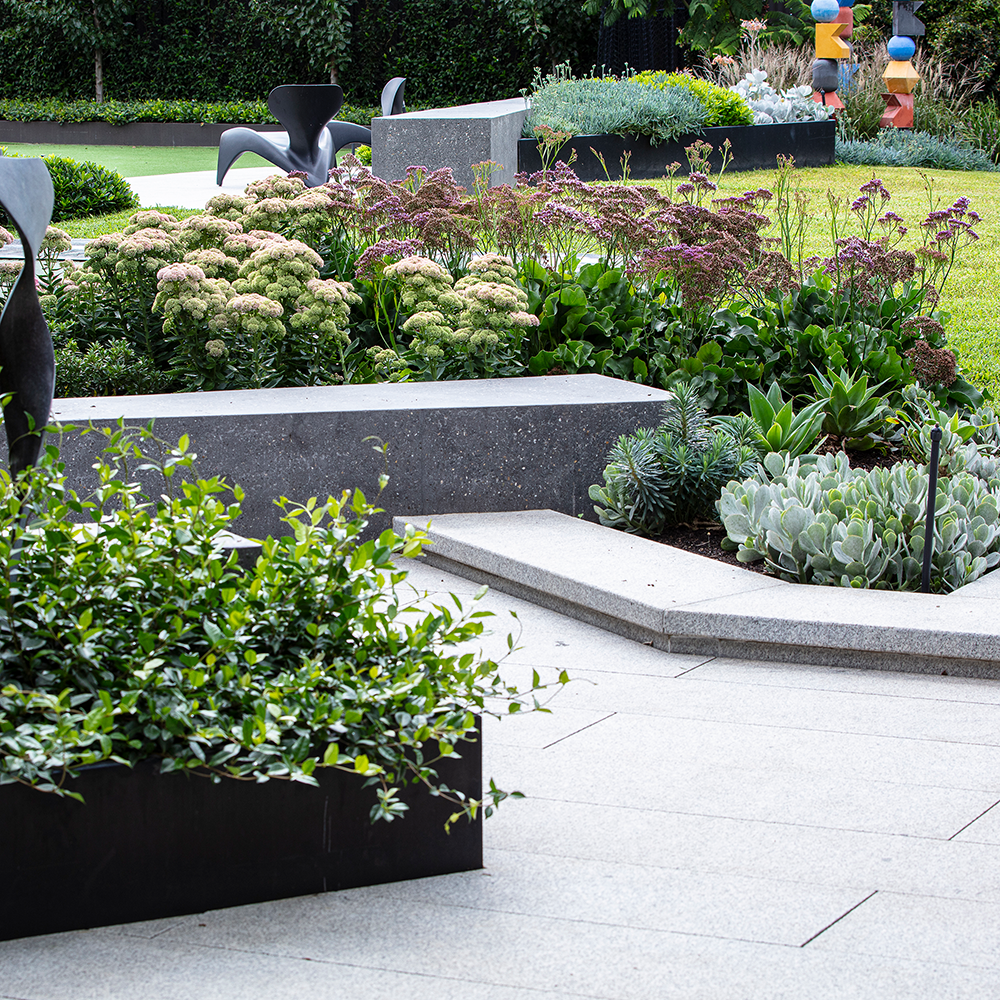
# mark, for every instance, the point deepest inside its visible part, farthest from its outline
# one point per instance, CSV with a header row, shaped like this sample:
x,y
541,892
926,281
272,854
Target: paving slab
x,y
690,604
193,189
758,848
961,932
800,798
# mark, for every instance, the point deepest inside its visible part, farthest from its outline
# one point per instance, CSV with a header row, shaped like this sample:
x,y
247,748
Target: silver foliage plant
x,y
771,106
819,521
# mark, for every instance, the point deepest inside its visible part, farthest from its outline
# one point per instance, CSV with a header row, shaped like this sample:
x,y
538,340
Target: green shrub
x,y
826,523
723,106
594,106
109,369
87,189
131,637
894,147
658,478
53,109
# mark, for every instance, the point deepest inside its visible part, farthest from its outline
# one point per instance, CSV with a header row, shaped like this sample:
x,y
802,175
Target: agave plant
x,y
776,426
853,411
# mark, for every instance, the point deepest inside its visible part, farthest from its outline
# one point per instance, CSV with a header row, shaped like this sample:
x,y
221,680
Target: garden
x,y
813,327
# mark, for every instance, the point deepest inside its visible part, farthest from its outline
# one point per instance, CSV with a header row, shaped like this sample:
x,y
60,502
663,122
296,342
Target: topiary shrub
x,y
724,106
87,189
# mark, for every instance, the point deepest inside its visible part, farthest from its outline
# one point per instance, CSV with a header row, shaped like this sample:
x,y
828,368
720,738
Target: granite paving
x,y
694,827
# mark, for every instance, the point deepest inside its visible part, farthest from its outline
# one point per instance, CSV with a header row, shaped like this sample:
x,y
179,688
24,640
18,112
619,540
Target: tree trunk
x,y
98,59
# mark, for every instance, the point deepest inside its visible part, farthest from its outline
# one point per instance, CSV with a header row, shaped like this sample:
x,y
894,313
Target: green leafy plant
x,y
777,427
109,369
723,106
129,634
87,189
670,475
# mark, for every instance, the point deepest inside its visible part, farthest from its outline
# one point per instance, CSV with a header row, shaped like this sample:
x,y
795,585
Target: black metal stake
x,y
925,582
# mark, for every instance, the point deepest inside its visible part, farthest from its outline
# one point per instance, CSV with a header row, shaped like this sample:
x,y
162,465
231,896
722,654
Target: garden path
x,y
695,828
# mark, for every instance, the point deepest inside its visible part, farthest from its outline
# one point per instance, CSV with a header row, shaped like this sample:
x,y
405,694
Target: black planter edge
x,y
753,147
129,134
149,846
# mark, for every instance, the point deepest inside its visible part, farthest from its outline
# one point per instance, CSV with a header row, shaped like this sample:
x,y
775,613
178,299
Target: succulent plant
x,y
825,523
853,411
776,426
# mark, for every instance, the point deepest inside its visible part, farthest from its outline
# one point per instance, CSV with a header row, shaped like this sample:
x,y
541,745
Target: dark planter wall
x,y
147,845
132,134
753,147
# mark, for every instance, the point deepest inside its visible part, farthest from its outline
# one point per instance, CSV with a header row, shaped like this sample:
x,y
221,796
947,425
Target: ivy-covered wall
x,y
451,51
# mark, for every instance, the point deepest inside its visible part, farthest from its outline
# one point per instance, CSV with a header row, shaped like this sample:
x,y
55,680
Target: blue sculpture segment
x,y
27,363
310,141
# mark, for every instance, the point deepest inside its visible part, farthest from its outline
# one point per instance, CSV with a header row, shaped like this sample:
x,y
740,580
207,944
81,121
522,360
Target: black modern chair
x,y
310,140
392,97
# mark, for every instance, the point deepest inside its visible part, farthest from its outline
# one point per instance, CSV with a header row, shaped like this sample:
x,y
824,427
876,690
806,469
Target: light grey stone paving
x,y
688,603
621,877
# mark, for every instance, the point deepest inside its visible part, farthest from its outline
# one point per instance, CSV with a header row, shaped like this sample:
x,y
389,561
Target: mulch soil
x,y
705,538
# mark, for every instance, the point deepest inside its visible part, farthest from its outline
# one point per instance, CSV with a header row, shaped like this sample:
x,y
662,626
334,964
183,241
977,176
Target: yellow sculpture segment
x,y
900,77
828,41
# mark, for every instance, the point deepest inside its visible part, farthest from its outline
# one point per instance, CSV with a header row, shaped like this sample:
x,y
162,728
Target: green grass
x,y
138,161
98,225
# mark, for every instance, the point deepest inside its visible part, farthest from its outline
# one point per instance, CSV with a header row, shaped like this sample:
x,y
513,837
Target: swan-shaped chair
x,y
310,140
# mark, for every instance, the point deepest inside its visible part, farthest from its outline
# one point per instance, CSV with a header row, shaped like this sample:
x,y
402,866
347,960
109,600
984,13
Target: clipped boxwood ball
x,y
825,10
826,75
83,189
901,48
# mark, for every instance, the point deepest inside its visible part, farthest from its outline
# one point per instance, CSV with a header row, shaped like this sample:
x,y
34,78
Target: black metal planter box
x,y
753,147
148,845
129,134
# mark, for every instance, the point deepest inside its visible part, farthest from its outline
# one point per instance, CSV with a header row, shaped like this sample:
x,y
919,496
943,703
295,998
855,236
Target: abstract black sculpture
x,y
309,143
27,364
392,97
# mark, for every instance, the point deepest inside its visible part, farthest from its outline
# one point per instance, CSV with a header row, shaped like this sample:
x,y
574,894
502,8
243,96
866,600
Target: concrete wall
x,y
454,447
450,137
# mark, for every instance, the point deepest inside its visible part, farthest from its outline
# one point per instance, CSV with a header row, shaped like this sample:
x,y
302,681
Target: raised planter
x,y
753,147
147,845
475,445
130,134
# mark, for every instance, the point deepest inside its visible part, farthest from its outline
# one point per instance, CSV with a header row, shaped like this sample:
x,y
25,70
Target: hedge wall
x,y
450,51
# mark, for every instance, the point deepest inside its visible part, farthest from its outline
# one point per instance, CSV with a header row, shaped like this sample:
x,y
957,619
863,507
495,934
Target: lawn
x,y
138,161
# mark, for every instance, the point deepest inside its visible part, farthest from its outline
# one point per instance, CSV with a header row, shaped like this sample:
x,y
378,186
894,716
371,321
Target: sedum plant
x,y
826,523
661,477
133,636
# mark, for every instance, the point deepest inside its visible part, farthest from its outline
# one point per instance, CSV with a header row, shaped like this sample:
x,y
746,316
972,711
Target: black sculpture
x,y
392,97
27,364
309,143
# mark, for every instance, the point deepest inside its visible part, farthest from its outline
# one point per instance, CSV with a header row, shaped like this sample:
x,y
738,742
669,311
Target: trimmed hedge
x,y
449,52
54,109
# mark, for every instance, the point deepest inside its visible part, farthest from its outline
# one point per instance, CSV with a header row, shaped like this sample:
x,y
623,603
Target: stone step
x,y
682,602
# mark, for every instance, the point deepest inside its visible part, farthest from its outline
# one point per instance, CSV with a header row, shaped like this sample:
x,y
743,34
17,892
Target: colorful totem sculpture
x,y
900,77
834,25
